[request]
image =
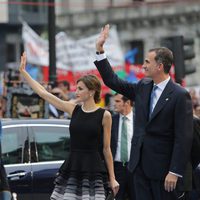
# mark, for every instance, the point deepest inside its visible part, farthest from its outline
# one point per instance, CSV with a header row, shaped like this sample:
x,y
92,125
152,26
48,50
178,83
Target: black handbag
x,y
110,195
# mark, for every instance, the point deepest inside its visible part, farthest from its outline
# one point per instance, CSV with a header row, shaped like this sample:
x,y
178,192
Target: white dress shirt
x,y
129,122
100,57
161,86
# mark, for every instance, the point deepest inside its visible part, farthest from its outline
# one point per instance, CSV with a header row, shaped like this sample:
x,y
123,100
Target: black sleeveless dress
x,y
84,174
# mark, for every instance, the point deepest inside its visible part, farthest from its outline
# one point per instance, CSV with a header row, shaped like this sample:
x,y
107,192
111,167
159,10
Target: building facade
x,y
12,14
139,23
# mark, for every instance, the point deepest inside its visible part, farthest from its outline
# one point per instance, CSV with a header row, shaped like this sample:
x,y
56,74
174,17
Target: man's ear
x,y
161,66
128,102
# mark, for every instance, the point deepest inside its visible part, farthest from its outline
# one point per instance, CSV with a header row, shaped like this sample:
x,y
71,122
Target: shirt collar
x,y
163,84
129,116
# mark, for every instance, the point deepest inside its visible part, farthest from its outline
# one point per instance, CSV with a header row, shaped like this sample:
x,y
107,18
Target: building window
x,y
34,6
10,53
138,45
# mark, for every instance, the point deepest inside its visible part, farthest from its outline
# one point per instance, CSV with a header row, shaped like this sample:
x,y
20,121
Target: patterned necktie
x,y
124,141
153,99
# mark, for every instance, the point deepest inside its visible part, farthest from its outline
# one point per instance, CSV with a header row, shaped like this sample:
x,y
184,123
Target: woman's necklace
x,y
89,111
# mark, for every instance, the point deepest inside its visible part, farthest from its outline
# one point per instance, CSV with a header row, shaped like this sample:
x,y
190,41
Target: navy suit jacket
x,y
162,143
114,134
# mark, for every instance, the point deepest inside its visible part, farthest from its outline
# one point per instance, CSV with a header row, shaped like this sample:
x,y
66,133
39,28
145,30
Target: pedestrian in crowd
x,y
53,111
108,99
163,123
65,87
61,90
195,160
89,168
5,193
194,97
197,110
1,106
121,137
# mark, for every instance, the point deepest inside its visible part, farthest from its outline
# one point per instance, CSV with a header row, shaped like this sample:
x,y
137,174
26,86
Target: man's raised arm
x,y
102,39
110,79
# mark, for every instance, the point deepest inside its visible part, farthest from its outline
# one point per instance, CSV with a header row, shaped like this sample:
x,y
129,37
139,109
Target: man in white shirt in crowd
x,y
121,136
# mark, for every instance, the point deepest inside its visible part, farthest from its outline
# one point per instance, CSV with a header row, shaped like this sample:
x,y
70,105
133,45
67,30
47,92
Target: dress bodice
x,y
86,143
86,129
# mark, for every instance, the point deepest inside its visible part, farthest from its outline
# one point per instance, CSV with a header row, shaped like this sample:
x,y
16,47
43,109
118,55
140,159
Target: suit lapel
x,y
164,98
146,99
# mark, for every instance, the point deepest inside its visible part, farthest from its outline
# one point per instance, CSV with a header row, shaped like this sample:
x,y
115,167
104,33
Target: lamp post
x,y
52,45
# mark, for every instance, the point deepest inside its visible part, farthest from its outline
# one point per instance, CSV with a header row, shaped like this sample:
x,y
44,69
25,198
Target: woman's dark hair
x,y
92,83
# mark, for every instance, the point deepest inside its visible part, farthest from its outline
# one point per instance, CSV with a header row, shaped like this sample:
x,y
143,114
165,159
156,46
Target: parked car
x,y
32,152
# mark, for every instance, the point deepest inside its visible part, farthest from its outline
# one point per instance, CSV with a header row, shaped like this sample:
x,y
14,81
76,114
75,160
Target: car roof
x,y
34,121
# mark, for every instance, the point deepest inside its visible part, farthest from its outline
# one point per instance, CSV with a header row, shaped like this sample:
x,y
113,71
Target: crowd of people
x,y
143,149
60,89
195,95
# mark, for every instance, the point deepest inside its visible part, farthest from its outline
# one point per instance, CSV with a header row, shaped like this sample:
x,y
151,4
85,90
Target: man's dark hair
x,y
107,98
125,99
66,84
164,56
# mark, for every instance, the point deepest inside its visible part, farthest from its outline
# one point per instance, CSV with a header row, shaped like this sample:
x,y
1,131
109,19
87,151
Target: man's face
x,y
150,66
119,104
197,111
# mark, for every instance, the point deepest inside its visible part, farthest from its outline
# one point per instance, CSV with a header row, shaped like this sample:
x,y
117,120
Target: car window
x,y
52,143
13,144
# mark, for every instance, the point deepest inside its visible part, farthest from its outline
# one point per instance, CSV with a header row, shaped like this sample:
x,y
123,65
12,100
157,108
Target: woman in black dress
x,y
88,172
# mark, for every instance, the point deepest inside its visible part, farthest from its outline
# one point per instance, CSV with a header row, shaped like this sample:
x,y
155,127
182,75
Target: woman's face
x,y
82,92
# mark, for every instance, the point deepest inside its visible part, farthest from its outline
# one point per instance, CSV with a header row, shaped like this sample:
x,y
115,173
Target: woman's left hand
x,y
114,186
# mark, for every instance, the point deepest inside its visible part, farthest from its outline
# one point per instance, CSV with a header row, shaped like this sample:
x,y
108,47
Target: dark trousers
x,y
125,180
149,189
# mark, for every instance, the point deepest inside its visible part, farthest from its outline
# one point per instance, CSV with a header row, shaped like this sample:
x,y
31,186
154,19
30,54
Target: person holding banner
x,y
163,125
88,172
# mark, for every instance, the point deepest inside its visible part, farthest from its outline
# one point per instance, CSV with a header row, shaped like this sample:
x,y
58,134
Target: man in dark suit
x,y
123,108
163,123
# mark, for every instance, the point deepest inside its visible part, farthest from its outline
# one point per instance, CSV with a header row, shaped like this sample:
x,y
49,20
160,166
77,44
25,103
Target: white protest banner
x,y
71,55
36,48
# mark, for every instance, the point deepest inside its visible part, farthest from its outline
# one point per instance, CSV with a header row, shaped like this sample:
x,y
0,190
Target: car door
x,y
16,158
51,144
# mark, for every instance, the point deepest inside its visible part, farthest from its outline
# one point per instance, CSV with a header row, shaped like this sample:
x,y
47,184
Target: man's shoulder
x,y
178,88
144,81
115,116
